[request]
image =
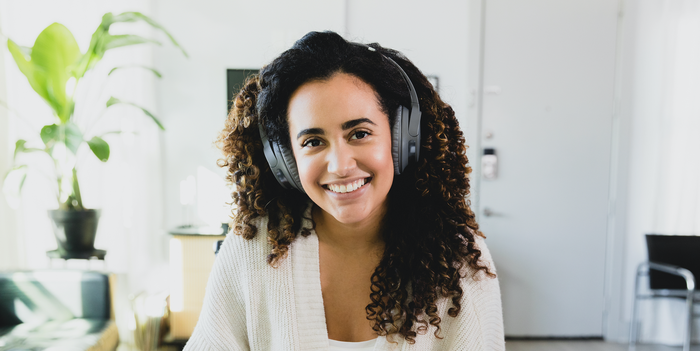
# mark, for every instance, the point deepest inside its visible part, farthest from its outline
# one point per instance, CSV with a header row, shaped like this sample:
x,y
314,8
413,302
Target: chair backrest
x,y
678,250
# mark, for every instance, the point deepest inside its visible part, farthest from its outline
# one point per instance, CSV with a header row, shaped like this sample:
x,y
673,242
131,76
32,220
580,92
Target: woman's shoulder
x,y
481,304
252,252
242,252
485,260
480,282
258,223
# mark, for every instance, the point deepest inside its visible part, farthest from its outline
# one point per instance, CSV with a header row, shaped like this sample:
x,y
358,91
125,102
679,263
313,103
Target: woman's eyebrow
x,y
349,124
317,131
345,126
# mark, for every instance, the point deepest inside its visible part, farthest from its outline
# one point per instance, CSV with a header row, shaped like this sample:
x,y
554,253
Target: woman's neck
x,y
358,237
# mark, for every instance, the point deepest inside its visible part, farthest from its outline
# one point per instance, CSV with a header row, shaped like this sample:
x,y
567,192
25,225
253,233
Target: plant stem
x,y
76,190
59,179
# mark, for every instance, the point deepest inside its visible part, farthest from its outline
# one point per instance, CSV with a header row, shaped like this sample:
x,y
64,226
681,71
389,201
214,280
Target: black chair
x,y
674,262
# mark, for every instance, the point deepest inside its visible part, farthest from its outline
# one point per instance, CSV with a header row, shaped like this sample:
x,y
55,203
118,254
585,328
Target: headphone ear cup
x,y
396,140
290,163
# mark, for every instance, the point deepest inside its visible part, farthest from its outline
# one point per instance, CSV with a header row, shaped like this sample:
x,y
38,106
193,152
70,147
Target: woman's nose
x,y
341,160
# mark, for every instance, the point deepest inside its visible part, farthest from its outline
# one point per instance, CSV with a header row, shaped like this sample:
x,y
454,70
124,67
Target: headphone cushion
x,y
290,163
396,139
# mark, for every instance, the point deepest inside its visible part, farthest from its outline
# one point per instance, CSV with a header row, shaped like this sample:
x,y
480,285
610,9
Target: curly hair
x,y
429,229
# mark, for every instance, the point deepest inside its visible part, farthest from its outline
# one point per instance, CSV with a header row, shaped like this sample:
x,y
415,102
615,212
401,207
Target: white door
x,y
547,112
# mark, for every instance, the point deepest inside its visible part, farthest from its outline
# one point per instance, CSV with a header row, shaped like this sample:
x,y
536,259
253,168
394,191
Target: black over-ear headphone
x,y
405,140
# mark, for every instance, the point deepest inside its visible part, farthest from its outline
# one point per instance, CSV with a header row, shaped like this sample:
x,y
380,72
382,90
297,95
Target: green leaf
x,y
93,55
113,101
100,148
73,137
27,51
115,41
144,67
112,132
108,19
102,41
13,182
54,53
68,133
19,147
23,61
78,205
49,134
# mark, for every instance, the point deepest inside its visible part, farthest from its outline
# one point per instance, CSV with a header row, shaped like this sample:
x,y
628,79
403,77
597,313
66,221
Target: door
x,y
547,115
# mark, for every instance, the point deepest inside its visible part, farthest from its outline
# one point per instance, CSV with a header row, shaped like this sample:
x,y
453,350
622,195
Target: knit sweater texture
x,y
250,305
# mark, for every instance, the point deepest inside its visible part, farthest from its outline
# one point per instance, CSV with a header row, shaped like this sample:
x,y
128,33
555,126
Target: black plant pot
x,y
75,232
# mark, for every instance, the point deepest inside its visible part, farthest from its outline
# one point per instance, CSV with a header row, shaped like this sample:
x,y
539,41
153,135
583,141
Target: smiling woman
x,y
343,236
342,150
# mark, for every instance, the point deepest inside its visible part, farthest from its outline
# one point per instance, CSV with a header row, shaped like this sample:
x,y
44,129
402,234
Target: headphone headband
x,y
414,124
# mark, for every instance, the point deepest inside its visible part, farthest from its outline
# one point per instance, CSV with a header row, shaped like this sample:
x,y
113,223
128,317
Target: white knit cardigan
x,y
252,306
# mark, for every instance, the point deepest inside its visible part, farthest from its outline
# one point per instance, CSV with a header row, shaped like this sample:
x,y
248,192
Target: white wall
x,y
9,258
659,165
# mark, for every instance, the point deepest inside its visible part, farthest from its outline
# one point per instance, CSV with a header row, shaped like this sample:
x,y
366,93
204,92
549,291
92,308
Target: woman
x,y
352,227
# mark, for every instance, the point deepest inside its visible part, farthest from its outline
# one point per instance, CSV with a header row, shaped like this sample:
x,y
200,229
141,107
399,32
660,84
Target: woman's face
x,y
342,144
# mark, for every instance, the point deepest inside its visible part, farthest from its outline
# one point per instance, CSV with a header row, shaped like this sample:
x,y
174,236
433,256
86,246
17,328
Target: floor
x,y
584,346
535,346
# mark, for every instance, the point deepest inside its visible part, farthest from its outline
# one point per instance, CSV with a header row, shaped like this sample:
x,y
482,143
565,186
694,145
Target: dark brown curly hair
x,y
429,230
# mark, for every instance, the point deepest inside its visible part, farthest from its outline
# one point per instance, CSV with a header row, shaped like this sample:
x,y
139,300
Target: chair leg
x,y
633,326
635,305
689,329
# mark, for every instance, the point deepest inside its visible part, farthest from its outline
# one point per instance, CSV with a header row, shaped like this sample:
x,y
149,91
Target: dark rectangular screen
x,y
234,82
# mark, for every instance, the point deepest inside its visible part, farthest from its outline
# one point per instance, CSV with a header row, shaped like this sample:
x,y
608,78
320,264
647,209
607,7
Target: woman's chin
x,y
344,216
351,219
354,215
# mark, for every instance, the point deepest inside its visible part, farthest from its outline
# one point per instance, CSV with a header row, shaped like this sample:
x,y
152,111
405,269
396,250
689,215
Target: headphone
x,y
405,140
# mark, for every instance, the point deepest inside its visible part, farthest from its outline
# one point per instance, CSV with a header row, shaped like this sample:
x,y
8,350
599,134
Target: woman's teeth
x,y
346,188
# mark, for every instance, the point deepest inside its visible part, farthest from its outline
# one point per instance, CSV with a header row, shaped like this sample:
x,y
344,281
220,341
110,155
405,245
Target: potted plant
x,y
54,67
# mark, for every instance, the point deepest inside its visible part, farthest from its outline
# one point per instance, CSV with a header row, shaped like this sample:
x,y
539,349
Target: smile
x,y
347,188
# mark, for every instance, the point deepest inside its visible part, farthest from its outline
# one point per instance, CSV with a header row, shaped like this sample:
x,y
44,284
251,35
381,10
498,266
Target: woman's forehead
x,y
333,102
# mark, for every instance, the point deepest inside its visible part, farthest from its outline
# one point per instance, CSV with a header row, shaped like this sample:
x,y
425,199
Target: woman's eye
x,y
359,134
311,142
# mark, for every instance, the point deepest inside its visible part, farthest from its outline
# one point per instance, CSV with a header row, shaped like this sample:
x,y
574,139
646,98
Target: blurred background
x,y
582,118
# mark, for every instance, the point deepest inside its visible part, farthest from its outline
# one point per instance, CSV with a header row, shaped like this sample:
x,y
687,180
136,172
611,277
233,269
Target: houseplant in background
x,y
54,67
